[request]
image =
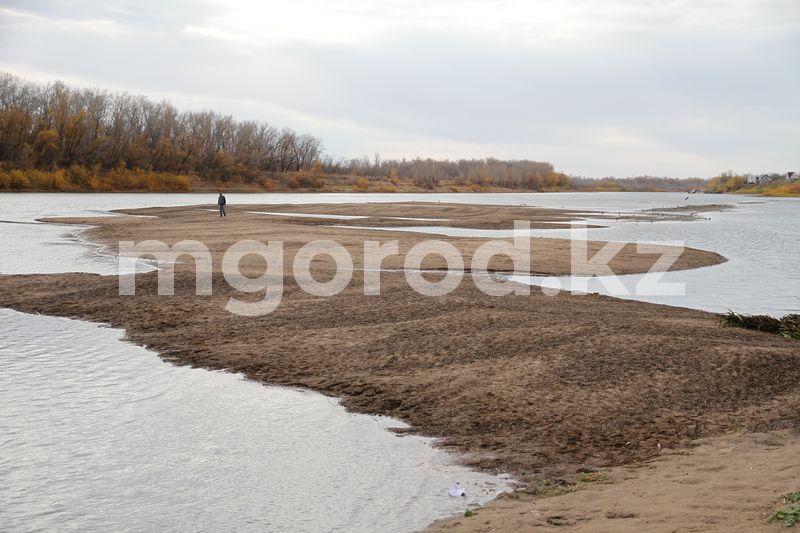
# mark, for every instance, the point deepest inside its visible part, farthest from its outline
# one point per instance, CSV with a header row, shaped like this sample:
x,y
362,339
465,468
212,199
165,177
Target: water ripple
x,y
97,434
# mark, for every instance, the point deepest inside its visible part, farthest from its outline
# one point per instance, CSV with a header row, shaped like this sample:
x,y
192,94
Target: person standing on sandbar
x,y
221,203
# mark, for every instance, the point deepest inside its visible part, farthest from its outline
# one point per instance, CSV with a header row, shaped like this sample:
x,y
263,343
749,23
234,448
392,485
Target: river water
x,y
97,434
759,237
760,240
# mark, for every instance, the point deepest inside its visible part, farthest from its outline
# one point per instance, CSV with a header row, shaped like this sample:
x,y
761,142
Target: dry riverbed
x,y
542,387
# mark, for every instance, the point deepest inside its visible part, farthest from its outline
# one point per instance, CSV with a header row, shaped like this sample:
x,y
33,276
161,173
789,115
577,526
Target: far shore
x,y
594,404
255,189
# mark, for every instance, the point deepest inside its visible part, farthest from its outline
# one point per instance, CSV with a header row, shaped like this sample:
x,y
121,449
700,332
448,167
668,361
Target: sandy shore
x,y
539,386
730,483
547,256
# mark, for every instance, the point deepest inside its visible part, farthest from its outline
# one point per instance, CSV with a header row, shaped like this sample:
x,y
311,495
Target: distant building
x,y
751,179
758,180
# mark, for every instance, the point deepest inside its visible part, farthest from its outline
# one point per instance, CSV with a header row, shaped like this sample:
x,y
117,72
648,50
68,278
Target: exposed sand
x,y
548,256
704,208
729,483
539,386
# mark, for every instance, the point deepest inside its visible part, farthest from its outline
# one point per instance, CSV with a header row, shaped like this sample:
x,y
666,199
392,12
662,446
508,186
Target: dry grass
x,y
786,188
787,326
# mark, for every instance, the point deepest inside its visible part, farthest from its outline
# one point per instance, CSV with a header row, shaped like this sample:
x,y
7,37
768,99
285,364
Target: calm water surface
x,y
101,435
760,241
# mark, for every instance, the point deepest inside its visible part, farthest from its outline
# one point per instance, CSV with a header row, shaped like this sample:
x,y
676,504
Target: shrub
x,y
361,184
307,180
385,187
81,178
267,184
789,516
788,326
18,180
59,180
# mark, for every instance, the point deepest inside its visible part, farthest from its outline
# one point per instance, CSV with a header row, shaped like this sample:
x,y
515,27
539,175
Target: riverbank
x,y
734,482
77,178
124,179
539,386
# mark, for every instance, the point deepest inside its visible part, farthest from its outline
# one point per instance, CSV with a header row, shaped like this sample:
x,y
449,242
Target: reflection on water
x,y
101,435
759,240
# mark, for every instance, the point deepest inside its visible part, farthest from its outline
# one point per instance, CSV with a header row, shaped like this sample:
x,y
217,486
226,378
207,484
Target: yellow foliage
x,y
791,188
393,177
726,183
361,184
58,180
19,180
784,188
38,179
79,178
386,187
730,183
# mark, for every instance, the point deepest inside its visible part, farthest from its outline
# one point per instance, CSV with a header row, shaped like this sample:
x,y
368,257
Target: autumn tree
x,y
53,125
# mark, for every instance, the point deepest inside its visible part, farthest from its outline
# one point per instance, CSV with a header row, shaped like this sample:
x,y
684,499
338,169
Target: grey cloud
x,y
669,82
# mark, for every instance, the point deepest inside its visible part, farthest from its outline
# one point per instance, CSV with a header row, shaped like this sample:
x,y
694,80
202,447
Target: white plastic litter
x,y
455,490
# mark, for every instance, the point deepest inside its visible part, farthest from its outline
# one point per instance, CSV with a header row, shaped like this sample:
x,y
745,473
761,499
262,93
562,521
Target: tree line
x,y
429,173
637,184
56,137
55,126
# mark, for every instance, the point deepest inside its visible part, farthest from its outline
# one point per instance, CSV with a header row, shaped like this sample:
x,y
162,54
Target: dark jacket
x,y
221,200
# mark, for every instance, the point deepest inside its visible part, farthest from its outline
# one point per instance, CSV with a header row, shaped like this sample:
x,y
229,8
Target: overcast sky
x,y
597,87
